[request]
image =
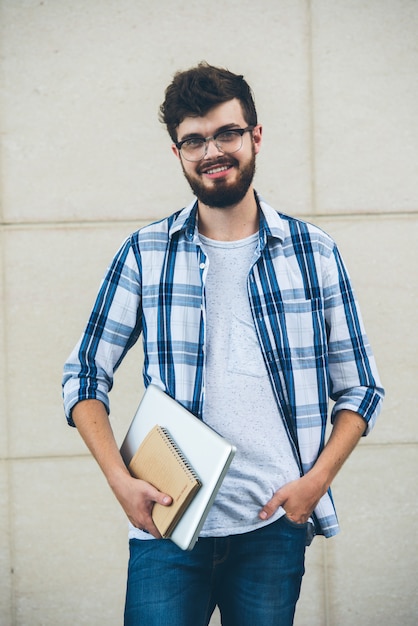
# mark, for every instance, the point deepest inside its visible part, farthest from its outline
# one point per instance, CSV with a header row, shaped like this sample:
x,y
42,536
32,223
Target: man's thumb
x,y
271,507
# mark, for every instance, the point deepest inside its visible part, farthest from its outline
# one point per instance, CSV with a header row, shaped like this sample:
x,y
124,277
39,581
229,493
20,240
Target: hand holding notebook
x,y
160,462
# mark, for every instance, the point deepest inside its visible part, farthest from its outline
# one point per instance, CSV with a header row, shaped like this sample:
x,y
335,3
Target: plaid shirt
x,y
305,315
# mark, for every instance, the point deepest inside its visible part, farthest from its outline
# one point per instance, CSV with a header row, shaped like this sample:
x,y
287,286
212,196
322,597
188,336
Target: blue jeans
x,y
254,578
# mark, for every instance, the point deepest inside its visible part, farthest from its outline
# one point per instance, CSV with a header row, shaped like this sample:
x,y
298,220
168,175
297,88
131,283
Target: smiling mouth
x,y
218,170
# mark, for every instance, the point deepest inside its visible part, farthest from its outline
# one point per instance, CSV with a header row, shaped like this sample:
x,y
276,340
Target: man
x,y
249,320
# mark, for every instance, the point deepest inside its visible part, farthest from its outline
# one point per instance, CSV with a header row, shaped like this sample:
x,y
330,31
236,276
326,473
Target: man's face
x,y
220,180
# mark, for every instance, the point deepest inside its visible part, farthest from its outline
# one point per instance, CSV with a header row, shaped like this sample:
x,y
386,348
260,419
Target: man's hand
x,y
298,498
137,499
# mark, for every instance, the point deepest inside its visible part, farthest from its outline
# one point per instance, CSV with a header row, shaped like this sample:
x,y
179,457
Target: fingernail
x,y
263,515
166,500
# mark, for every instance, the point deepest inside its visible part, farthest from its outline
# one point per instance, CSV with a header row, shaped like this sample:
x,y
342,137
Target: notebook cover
x,y
161,463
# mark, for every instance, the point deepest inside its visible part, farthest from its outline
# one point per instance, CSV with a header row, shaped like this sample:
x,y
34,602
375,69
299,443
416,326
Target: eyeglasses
x,y
227,141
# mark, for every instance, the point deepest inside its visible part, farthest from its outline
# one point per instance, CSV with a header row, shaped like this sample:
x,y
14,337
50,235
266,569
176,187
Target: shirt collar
x,y
271,223
186,221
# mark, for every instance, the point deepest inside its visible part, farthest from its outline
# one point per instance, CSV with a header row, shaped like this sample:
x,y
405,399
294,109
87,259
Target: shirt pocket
x,y
305,331
244,353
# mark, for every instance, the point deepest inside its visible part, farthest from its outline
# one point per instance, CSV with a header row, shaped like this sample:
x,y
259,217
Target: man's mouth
x,y
215,170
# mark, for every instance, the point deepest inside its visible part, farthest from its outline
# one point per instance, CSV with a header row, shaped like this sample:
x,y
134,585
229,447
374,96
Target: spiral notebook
x,y
209,454
161,463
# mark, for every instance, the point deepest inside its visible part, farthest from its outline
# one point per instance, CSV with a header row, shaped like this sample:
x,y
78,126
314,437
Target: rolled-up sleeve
x,y
354,379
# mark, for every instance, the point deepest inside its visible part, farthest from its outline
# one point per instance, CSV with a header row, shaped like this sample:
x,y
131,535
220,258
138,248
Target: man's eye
x,y
227,136
193,143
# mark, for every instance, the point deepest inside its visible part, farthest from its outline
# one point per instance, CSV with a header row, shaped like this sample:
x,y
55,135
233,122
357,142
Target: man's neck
x,y
230,223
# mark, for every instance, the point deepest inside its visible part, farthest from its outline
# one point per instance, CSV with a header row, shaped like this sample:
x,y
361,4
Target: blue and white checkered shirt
x,y
305,315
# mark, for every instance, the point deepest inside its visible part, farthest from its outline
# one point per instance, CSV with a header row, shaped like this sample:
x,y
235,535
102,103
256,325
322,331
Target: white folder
x,y
209,454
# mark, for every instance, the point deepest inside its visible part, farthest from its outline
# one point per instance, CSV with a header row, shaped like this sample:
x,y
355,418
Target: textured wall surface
x,y
84,161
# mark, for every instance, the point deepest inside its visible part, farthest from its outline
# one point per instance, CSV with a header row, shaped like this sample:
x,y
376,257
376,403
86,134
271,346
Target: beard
x,y
222,194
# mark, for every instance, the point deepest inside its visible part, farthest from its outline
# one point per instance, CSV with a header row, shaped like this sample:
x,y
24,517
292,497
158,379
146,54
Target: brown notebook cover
x,y
159,461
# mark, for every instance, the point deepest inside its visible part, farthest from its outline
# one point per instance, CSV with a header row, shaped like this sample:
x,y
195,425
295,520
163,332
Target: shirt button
x,y
202,266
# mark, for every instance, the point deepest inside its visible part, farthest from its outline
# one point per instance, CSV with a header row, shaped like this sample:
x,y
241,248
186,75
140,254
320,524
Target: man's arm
x,y
135,496
300,497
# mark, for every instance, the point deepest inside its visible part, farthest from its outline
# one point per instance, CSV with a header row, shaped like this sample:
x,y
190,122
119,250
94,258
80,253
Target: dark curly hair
x,y
195,91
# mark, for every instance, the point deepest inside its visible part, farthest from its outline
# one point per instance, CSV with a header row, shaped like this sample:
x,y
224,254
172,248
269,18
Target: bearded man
x,y
248,319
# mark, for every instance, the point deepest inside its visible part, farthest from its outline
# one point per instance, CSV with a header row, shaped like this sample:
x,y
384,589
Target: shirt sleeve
x,y
354,379
113,328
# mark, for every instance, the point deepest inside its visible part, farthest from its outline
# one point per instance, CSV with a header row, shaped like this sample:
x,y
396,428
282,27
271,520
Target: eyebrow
x,y
221,129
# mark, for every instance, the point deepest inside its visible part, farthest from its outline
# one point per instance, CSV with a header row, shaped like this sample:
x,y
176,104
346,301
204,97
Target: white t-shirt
x,y
239,401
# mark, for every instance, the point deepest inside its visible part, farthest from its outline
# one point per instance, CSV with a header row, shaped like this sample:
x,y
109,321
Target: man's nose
x,y
212,149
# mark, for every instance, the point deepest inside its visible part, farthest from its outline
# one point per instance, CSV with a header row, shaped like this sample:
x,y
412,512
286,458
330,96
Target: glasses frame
x,y
206,140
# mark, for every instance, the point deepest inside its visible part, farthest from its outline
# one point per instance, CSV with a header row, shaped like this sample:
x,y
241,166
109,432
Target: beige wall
x,y
84,161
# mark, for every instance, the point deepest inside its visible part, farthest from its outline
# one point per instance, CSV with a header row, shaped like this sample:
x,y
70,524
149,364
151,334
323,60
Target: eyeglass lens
x,y
196,148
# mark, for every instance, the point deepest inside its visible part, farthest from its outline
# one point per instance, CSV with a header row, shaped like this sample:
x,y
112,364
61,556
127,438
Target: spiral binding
x,y
174,448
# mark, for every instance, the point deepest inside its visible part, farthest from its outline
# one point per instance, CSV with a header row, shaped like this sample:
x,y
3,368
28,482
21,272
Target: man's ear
x,y
258,137
175,150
